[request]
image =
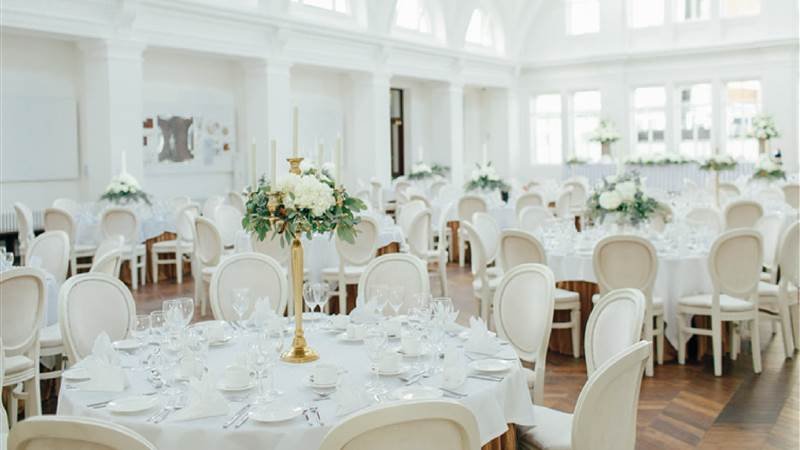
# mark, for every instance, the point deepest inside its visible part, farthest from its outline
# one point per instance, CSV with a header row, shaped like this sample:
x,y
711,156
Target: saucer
x,y
133,404
344,338
127,344
224,387
310,381
491,365
275,413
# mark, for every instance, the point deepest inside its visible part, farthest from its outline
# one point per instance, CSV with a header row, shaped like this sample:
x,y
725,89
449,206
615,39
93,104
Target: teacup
x,y
236,376
215,332
355,331
340,321
411,344
389,362
324,374
392,327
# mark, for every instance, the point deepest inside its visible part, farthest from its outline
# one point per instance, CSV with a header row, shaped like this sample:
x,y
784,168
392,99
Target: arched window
x,y
413,15
481,29
339,6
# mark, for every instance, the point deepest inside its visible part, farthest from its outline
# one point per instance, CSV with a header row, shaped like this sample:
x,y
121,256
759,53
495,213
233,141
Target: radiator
x,y
8,221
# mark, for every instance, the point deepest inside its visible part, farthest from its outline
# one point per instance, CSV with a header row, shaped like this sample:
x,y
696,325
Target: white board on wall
x,y
38,138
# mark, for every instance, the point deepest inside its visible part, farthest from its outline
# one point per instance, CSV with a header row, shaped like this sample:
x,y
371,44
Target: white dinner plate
x,y
416,393
132,404
310,381
275,413
127,344
216,343
224,387
76,374
391,373
464,335
422,352
344,338
491,365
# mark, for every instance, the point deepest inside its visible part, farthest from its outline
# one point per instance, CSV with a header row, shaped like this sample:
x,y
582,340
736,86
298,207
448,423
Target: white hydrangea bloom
x,y
610,200
311,193
287,183
626,190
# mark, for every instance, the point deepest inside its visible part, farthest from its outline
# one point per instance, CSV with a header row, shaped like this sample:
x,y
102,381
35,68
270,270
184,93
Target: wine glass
x,y
240,304
258,357
187,309
442,307
421,308
396,299
173,315
275,342
156,325
375,342
379,297
141,327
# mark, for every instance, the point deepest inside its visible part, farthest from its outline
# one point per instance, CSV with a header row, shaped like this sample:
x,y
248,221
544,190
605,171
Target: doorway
x,y
396,124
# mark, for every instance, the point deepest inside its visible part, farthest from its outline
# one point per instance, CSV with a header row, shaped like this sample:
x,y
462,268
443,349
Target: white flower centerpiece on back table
x,y
621,199
606,134
764,130
717,163
658,159
769,170
124,189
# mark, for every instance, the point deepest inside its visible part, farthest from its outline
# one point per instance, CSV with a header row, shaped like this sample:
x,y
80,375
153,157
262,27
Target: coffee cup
x,y
215,332
355,331
236,376
389,362
340,321
324,374
411,344
392,327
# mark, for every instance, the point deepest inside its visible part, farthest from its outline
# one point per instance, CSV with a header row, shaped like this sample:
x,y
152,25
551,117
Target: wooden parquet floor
x,y
681,407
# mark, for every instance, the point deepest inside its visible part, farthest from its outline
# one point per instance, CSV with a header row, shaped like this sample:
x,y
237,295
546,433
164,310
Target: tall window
x,y
413,15
743,101
481,29
546,129
689,10
340,6
645,13
733,8
649,119
583,16
586,107
695,111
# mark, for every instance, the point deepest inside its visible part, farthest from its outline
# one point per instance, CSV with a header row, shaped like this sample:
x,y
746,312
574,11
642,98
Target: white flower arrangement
x,y
623,196
485,178
123,189
420,171
657,159
605,133
768,169
576,161
764,127
718,163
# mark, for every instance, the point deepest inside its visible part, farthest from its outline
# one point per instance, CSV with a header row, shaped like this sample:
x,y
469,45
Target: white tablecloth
x,y
494,404
668,178
154,220
503,213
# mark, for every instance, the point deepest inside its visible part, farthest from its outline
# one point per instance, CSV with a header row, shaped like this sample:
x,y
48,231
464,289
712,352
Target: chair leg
x,y
13,407
73,265
461,251
716,343
33,402
786,329
734,340
154,266
681,339
755,343
142,264
575,328
660,339
794,311
134,272
203,297
178,268
443,275
648,336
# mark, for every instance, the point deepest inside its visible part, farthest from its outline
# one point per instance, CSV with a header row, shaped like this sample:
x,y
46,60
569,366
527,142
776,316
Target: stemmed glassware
x,y
315,295
240,304
173,315
375,341
396,298
156,326
274,344
379,297
259,357
187,310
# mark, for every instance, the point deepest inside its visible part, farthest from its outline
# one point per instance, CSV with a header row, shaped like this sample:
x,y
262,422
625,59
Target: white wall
x,y
318,95
46,68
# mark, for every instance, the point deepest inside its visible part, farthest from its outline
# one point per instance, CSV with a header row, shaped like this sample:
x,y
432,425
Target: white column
x,y
268,113
449,125
367,150
111,114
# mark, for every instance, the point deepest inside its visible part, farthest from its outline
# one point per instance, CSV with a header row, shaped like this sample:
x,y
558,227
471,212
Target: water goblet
x,y
156,326
396,299
173,315
187,309
375,342
275,342
240,304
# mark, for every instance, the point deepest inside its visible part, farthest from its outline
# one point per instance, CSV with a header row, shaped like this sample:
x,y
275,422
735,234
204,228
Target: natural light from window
x,y
413,15
481,29
586,108
583,16
689,10
733,8
743,102
696,118
649,118
546,129
646,13
339,6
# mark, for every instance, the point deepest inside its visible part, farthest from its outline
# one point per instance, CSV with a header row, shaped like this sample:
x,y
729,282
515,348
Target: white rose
x,y
626,190
610,200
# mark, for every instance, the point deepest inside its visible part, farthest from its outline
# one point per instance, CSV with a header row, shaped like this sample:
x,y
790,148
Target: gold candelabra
x,y
300,351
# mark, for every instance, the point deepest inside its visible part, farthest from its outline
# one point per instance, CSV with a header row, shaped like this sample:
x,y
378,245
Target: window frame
x,y
635,111
575,114
741,140
679,125
630,14
424,9
680,12
534,116
568,26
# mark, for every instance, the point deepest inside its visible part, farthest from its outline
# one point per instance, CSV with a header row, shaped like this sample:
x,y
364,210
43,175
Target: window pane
x,y
743,100
646,13
732,8
413,15
649,118
550,103
583,16
586,107
649,97
693,10
341,6
546,129
587,101
695,131
479,30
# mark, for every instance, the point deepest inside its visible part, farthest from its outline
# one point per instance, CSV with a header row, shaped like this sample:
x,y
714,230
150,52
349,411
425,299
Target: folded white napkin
x,y
349,397
454,371
104,367
479,340
204,401
363,313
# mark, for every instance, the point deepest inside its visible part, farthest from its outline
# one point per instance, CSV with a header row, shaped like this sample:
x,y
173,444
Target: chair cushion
x,y
50,336
18,363
563,295
552,430
771,290
726,303
84,248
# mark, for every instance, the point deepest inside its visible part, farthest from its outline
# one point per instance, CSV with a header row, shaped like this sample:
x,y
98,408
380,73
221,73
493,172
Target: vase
x,y
605,149
763,146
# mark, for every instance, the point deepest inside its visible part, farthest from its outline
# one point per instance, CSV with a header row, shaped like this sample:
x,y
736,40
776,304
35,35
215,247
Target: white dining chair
x,y
420,198
108,256
563,207
353,258
419,245
229,223
395,270
577,189
416,425
605,414
3,416
176,203
210,206
24,229
528,199
50,251
466,207
124,222
483,286
59,219
207,255
533,217
770,226
436,187
376,195
262,275
734,264
523,315
728,192
181,246
405,213
707,217
628,261
236,200
520,247
22,297
489,231
791,194
67,204
779,302
90,304
742,214
74,433
614,324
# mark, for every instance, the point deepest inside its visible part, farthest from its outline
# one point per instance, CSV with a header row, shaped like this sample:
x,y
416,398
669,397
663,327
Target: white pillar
x,y
450,116
111,114
367,141
268,113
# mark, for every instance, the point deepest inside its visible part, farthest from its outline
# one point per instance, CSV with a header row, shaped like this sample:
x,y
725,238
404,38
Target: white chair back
x,y
176,203
50,252
272,246
614,324
24,225
363,250
519,247
211,204
120,222
208,242
22,296
788,258
395,270
563,206
728,191
734,263
489,231
90,304
419,234
420,198
533,217
707,217
528,199
255,271
770,226
605,414
66,204
376,195
470,204
74,433
436,187
742,214
236,200
108,256
58,219
407,212
791,194
478,259
523,310
577,193
448,193
434,424
229,223
625,261
184,222
401,186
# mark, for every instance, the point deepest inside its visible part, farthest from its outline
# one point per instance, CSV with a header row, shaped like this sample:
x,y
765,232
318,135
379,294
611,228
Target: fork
x,y
315,410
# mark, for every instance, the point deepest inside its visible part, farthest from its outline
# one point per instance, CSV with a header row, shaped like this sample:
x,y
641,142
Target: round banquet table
x,y
495,404
154,220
